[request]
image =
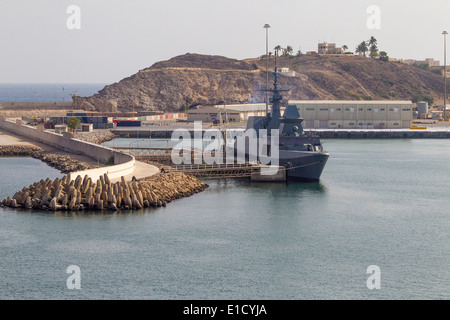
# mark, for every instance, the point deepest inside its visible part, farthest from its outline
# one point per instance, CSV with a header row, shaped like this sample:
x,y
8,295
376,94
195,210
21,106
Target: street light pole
x,y
445,72
266,26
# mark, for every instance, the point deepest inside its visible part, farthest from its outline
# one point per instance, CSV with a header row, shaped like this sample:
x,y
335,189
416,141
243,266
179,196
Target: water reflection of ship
x,y
302,156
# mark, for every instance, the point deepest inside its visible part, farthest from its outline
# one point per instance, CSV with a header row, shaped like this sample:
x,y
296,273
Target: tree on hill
x,y
361,49
288,51
384,56
278,48
373,51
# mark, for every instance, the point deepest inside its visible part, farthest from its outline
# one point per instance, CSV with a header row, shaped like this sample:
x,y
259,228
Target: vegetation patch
x,y
110,161
353,95
421,97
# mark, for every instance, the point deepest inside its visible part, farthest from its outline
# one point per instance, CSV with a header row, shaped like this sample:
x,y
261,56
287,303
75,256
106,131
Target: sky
x,y
42,42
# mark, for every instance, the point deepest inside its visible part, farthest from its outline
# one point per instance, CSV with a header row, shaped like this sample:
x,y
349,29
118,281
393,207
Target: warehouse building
x,y
351,114
232,112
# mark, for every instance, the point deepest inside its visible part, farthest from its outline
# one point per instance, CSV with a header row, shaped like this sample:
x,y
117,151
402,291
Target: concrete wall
x,y
36,105
124,164
379,134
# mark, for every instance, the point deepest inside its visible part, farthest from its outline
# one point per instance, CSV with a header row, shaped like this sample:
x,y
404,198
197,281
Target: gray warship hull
x,y
303,165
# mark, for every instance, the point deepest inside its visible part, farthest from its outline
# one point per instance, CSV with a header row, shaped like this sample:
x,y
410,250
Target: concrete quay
x,y
123,164
429,133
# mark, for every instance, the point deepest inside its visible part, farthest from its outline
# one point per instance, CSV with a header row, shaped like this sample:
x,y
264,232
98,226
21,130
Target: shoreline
x,y
63,163
83,193
435,133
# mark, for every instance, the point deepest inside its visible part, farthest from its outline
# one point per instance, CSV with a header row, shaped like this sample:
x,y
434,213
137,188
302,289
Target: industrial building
x,y
355,114
231,112
97,122
428,61
329,48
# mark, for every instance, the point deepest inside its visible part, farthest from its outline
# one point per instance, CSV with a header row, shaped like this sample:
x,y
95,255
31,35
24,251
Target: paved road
x,y
141,171
9,139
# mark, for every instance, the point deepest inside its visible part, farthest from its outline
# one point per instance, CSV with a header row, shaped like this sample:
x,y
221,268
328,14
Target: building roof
x,y
246,107
231,107
351,102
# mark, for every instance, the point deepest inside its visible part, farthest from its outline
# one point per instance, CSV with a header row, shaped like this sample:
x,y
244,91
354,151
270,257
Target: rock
x,y
81,193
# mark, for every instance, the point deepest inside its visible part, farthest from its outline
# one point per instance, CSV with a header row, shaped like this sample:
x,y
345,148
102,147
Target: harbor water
x,y
379,202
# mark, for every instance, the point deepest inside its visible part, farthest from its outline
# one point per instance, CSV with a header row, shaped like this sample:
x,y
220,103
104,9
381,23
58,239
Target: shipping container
x,y
128,123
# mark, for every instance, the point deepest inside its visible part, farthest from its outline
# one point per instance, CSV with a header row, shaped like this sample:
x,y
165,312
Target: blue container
x,y
128,123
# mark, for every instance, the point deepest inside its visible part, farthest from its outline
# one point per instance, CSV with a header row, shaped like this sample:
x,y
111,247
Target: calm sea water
x,y
379,202
28,92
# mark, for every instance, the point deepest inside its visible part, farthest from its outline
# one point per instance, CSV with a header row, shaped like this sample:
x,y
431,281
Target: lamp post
x,y
445,72
74,93
266,26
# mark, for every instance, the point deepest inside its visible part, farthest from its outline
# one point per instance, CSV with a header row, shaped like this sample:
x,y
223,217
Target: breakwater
x,y
30,105
95,191
63,163
83,193
96,137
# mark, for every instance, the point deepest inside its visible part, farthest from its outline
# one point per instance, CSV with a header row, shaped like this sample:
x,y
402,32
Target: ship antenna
x,y
275,73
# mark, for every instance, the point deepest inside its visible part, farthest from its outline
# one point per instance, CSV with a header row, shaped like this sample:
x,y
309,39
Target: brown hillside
x,y
193,79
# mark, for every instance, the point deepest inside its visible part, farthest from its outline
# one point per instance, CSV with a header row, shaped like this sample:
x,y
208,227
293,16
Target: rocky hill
x,y
192,79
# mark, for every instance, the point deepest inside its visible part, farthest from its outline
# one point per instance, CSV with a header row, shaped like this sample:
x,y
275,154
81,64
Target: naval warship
x,y
302,155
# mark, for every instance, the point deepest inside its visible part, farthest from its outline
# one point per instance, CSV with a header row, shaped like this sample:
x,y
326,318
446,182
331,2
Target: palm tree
x,y
361,49
288,51
277,48
344,47
373,51
372,41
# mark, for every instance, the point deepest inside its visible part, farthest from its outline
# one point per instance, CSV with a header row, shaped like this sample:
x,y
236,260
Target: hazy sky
x,y
117,37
